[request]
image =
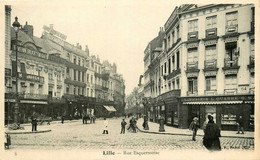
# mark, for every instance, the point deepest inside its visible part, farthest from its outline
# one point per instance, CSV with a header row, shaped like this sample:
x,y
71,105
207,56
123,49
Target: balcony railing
x,y
231,29
194,93
35,78
211,32
174,73
192,66
210,64
193,36
211,92
51,81
230,63
35,96
230,91
98,87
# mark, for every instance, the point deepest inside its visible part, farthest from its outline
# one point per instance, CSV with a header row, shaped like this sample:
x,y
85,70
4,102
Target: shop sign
x,y
54,39
54,32
219,98
230,71
30,52
231,39
211,73
192,74
243,88
171,94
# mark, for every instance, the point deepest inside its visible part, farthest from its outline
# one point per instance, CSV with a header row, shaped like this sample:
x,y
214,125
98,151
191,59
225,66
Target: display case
x,y
228,119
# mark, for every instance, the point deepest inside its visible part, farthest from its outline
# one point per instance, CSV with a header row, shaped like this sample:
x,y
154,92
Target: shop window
x,y
211,53
193,54
193,25
231,82
211,83
228,116
211,22
192,83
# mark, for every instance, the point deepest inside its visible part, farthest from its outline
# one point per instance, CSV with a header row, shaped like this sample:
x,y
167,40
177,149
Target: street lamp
x,y
16,26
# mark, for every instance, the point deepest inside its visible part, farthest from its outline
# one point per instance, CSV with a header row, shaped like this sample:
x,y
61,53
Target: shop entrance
x,y
210,110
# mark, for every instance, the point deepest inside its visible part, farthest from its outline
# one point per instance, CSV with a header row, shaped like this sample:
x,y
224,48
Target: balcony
x,y
34,78
59,82
230,91
98,87
210,65
193,36
230,64
35,96
210,93
231,29
75,83
173,74
211,33
51,81
7,72
192,67
194,93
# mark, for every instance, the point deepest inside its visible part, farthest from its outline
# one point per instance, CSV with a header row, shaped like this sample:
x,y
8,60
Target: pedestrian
x,y
32,122
94,118
240,125
211,137
123,124
105,131
134,125
49,121
194,127
7,141
62,119
35,122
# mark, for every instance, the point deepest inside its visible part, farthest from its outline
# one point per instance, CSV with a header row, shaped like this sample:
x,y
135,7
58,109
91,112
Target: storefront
x,y
224,109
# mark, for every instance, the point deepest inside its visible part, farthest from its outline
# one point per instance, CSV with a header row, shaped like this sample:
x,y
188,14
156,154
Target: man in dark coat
x,y
123,124
62,119
211,137
240,125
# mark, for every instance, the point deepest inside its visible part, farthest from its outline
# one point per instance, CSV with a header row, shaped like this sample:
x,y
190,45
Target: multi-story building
x,y
208,67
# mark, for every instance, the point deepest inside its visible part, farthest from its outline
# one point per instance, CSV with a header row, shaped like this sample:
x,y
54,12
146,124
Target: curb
x,y
28,132
183,134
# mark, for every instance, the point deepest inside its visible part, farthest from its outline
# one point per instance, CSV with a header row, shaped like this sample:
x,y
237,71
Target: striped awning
x,y
214,102
33,102
110,108
249,101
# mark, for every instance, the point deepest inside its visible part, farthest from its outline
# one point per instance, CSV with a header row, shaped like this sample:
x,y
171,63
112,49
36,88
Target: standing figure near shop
x,y
105,131
211,137
123,124
194,127
62,119
34,124
240,125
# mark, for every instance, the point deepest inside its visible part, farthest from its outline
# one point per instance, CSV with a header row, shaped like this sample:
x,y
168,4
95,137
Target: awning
x,y
33,102
249,101
110,108
214,102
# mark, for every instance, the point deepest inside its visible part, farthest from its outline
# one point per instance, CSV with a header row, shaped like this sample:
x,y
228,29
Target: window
x,y
173,40
173,62
32,88
193,54
40,89
169,65
91,79
79,90
83,91
252,47
58,77
211,22
68,89
162,70
58,91
75,59
68,57
83,62
178,83
173,84
83,77
231,19
92,64
165,67
193,26
231,82
87,92
169,42
192,82
211,83
169,85
178,60
67,72
87,77
211,53
75,74
79,73
79,60
178,32
99,70
91,92
50,76
74,90
95,68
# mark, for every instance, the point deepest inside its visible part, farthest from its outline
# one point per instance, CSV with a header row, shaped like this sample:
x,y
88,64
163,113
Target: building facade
x,y
207,68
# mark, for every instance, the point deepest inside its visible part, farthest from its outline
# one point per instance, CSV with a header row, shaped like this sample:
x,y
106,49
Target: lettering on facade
x,y
191,45
230,71
31,52
54,32
54,39
192,74
231,39
211,42
243,88
226,98
211,73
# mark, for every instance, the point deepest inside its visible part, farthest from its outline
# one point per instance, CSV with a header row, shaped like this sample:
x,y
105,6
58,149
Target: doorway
x,y
210,110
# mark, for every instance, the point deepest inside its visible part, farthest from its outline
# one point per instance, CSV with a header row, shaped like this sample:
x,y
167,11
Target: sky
x,y
117,31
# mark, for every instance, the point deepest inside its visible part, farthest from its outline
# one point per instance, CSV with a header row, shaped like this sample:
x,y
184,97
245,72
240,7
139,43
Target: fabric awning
x,y
214,102
249,101
110,108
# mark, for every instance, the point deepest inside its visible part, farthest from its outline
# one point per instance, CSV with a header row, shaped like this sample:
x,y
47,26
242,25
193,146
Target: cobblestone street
x,y
75,135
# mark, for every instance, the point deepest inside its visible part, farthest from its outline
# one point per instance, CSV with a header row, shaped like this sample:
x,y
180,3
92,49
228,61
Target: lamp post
x,y
16,26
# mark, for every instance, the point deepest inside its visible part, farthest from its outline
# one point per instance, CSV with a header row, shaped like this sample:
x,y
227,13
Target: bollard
x,y
161,127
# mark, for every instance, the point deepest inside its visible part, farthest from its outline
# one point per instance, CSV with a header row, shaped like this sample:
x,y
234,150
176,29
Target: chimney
x,y
51,26
87,50
28,29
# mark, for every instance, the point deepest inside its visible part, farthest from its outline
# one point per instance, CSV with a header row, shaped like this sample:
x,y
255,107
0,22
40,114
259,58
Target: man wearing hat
x,y
211,137
194,127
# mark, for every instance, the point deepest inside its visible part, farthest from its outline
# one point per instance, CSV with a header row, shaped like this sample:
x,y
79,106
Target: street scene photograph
x,y
113,80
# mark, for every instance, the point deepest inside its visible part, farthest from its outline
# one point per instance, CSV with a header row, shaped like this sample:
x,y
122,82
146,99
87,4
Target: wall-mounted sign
x,y
53,38
219,98
231,39
31,52
230,71
243,88
211,42
54,32
192,74
210,73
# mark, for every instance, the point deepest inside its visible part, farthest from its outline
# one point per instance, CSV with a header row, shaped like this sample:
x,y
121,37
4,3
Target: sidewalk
x,y
154,129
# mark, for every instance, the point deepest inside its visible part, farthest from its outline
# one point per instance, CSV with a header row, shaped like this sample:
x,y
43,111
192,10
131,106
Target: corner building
x,y
216,60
